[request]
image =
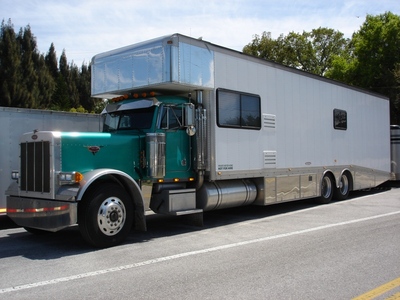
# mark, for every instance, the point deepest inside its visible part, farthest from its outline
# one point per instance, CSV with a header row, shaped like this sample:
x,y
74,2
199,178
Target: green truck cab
x,y
146,141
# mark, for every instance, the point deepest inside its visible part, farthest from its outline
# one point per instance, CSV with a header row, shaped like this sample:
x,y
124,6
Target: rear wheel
x,y
342,192
327,189
105,215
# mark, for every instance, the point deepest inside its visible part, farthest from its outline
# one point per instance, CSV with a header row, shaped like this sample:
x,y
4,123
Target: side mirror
x,y
189,115
189,118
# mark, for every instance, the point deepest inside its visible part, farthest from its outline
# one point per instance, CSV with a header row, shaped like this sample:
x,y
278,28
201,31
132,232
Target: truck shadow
x,y
162,226
69,242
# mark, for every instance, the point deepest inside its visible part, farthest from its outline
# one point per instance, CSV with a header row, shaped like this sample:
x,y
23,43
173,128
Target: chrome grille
x,y
35,166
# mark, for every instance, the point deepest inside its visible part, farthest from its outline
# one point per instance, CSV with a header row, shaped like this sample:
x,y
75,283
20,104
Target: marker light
x,y
133,96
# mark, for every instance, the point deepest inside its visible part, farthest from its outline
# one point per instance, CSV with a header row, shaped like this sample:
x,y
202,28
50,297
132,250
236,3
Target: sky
x,y
85,28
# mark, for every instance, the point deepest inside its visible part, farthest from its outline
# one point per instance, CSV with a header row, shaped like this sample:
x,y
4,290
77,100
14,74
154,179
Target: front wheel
x,y
327,189
105,215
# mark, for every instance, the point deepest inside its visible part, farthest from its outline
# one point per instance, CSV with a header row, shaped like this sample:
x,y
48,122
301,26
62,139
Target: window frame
x,y
242,109
338,124
168,114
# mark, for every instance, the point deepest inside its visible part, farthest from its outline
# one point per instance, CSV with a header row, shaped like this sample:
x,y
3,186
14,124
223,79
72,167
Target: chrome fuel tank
x,y
226,193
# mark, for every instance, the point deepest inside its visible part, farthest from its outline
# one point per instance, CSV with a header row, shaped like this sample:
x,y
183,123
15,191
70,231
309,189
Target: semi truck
x,y
16,121
196,127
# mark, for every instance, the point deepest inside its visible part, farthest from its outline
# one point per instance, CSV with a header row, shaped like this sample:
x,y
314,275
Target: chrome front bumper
x,y
42,214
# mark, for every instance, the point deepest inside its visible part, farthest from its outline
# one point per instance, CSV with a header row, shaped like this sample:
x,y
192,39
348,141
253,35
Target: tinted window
x,y
339,119
238,110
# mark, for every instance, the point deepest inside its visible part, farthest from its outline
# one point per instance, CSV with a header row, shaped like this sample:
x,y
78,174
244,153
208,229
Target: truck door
x,y
178,160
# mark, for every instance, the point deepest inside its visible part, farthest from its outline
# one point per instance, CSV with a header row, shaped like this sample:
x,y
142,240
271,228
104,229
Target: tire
x,y
343,191
105,215
327,189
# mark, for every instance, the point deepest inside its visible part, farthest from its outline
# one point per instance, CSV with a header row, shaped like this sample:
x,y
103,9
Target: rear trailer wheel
x,y
327,189
342,192
105,215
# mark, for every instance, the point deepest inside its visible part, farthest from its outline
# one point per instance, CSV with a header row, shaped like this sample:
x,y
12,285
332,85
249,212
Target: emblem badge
x,y
94,149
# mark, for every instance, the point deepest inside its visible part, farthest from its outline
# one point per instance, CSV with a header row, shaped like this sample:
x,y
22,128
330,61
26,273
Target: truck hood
x,y
86,151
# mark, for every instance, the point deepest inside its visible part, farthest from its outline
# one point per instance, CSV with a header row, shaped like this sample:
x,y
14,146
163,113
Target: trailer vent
x,y
269,121
35,167
269,159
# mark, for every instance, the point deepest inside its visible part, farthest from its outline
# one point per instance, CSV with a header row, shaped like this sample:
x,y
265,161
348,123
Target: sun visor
x,y
114,107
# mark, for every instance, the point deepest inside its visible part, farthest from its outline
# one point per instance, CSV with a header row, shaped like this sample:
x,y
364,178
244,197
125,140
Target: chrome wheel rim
x,y
326,187
344,185
111,216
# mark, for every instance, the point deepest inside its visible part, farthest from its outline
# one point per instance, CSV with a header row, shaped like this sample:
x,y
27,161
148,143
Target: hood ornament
x,y
34,135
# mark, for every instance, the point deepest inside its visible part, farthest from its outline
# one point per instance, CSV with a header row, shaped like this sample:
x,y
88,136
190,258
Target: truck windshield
x,y
129,119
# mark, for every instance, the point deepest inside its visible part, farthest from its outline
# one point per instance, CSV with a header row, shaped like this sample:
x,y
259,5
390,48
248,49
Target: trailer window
x,y
339,119
238,110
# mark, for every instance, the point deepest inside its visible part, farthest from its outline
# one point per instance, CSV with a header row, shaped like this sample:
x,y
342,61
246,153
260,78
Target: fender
x,y
129,184
341,173
337,174
330,172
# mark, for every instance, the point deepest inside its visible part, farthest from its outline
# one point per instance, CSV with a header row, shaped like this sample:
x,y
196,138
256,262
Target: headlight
x,y
69,177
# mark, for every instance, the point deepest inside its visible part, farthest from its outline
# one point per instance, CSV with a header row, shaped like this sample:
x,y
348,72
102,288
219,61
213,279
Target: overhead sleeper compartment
x,y
165,64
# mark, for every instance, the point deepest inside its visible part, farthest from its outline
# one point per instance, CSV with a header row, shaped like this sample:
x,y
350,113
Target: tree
x,y
51,61
342,64
84,87
47,84
326,43
264,47
10,62
29,79
309,51
60,99
267,48
66,95
24,78
375,58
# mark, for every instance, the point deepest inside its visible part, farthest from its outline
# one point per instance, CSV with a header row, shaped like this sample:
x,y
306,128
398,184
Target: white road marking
x,y
186,254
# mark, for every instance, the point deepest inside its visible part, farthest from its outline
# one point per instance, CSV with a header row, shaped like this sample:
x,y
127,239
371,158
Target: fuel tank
x,y
226,193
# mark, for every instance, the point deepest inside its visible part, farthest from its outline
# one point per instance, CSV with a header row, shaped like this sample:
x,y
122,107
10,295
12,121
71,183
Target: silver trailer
x,y
16,121
315,136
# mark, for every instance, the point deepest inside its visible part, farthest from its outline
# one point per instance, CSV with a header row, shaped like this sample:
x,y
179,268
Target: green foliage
x,y
10,77
377,55
308,51
80,109
29,79
370,59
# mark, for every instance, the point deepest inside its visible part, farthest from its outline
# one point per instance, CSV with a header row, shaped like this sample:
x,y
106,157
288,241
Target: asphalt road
x,y
288,251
